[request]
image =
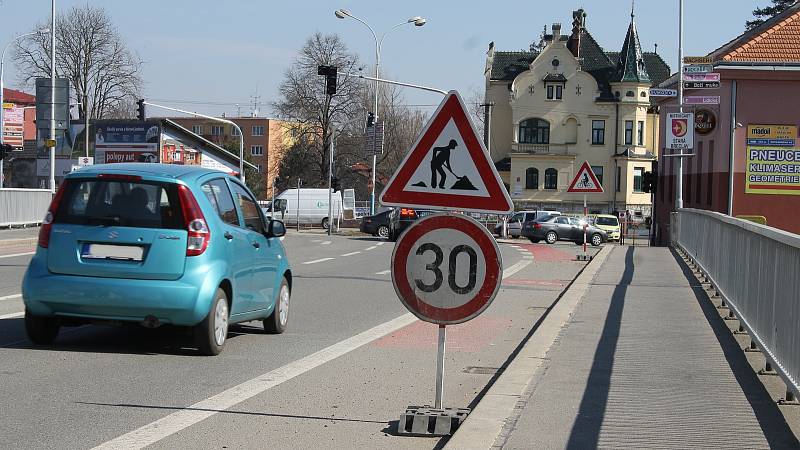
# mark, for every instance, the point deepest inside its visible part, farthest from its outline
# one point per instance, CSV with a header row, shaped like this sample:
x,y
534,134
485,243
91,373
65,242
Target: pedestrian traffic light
x,y
370,120
649,182
335,184
5,149
330,73
140,110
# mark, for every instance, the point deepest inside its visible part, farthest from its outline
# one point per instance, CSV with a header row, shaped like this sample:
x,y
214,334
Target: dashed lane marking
x,y
351,253
318,261
12,316
326,243
380,243
9,297
371,248
184,418
14,255
383,272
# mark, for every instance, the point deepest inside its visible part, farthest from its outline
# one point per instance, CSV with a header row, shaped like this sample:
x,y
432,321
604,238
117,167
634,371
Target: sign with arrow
x,y
585,180
448,167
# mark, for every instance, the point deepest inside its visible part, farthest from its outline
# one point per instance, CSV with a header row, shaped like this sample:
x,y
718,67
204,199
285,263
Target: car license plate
x,y
122,252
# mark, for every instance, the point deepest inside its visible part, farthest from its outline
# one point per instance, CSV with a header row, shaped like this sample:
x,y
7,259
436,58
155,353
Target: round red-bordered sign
x,y
446,268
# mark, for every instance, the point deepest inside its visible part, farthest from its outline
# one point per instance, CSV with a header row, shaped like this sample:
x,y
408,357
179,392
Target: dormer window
x,y
555,91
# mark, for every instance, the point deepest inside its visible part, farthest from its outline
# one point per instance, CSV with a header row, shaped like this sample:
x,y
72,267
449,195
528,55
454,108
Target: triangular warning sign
x,y
585,181
448,167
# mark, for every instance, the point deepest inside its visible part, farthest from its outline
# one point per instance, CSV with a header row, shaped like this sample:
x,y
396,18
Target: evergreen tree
x,y
763,14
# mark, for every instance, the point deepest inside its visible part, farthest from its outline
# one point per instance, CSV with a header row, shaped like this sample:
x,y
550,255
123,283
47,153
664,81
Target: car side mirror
x,y
276,228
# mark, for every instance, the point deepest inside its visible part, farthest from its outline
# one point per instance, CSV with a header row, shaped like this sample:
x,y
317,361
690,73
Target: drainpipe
x,y
732,148
617,176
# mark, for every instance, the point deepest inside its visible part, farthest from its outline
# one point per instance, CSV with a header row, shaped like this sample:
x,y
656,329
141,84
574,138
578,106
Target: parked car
x,y
377,225
402,218
312,204
609,224
560,228
156,245
516,221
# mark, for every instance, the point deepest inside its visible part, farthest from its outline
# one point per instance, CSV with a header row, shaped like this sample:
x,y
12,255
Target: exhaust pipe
x,y
151,322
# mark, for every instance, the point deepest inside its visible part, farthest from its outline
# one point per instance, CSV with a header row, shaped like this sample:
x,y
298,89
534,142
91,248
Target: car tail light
x,y
537,226
199,234
407,212
47,223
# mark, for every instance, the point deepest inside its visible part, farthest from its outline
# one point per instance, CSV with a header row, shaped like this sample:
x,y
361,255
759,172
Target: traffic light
x,y
330,73
370,120
140,110
649,180
5,149
335,184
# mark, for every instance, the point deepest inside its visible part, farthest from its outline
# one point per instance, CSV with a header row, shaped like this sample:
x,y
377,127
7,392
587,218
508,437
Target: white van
x,y
313,206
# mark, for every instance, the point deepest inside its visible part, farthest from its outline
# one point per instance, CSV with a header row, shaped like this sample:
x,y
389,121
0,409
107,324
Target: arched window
x,y
534,131
550,179
532,178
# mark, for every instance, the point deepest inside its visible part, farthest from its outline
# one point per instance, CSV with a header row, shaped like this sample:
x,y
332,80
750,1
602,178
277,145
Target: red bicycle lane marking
x,y
468,337
546,253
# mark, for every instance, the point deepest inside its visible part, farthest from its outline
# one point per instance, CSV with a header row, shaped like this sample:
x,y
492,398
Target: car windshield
x,y
607,221
140,204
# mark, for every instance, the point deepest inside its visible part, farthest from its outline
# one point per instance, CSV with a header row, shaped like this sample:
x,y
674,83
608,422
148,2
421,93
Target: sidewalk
x,y
18,237
645,362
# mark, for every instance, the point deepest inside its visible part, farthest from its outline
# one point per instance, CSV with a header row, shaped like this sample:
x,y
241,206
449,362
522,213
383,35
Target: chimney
x,y
556,32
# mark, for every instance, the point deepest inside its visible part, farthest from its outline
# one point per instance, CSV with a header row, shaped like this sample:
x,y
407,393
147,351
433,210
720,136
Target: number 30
x,y
451,272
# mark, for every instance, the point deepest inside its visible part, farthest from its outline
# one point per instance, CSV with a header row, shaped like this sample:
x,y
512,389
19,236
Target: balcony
x,y
544,149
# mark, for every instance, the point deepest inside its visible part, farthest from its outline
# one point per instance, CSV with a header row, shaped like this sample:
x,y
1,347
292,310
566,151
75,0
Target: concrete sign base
x,y
427,421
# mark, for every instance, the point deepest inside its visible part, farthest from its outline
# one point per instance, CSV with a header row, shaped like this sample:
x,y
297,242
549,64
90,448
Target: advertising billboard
x,y
127,141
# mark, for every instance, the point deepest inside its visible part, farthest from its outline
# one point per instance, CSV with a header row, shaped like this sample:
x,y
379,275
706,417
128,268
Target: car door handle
x,y
256,245
228,236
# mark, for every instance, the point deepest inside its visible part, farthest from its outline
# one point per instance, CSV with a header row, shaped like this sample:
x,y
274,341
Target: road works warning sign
x,y
448,167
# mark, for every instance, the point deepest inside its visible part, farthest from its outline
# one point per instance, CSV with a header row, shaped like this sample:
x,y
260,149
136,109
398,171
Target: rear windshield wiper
x,y
105,221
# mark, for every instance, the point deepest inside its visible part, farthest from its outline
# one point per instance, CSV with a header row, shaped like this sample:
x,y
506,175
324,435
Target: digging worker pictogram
x,y
440,160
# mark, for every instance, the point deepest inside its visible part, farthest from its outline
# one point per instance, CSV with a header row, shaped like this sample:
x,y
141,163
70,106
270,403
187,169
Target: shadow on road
x,y
229,411
770,419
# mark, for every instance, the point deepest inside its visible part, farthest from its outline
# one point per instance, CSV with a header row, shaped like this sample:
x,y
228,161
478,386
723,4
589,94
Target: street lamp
x,y
418,22
2,88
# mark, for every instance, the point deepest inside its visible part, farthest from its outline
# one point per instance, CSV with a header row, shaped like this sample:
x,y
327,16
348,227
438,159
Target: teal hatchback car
x,y
156,245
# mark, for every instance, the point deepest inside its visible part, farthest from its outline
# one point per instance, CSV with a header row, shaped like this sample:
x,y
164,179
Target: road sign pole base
x,y
428,421
583,257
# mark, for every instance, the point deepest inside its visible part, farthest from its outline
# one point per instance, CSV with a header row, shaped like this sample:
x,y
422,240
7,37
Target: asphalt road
x,y
350,363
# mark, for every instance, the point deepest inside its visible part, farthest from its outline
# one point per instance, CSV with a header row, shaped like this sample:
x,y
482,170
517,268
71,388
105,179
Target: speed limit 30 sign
x,y
446,268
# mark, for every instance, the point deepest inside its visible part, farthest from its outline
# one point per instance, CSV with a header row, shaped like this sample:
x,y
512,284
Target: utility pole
x,y
679,189
53,96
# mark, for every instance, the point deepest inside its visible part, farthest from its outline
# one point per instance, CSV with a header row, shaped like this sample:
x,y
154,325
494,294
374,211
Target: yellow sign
x,y
697,60
8,105
771,132
773,170
49,142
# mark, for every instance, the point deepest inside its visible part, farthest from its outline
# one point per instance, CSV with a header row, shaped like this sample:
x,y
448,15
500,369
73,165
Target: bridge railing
x,y
756,270
20,207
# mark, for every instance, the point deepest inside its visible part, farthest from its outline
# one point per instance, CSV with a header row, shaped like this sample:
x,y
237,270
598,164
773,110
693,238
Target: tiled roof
x,y
775,41
507,65
15,96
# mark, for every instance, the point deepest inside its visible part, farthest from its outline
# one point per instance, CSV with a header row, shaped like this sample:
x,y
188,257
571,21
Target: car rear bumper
x,y
185,301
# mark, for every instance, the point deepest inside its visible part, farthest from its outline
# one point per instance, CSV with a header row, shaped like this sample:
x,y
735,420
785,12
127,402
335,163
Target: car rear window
x,y
139,204
607,221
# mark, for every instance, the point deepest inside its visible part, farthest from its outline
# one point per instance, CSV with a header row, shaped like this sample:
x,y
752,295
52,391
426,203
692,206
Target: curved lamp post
x,y
418,22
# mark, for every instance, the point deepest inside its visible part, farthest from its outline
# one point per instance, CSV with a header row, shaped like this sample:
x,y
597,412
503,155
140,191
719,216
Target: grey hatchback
x,y
561,228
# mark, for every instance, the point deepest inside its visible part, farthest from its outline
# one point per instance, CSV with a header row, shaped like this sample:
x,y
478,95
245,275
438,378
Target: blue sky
x,y
216,54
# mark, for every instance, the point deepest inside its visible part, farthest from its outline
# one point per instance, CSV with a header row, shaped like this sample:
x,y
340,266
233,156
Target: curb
x,y
482,427
18,242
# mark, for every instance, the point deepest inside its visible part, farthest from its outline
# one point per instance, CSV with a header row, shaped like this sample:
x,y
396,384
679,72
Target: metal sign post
x,y
585,181
440,367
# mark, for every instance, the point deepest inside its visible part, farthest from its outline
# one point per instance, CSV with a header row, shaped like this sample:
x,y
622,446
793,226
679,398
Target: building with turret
x,y
566,101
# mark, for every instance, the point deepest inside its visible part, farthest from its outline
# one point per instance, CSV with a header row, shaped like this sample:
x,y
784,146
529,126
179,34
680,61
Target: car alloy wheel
x,y
325,223
383,231
220,323
596,240
551,237
283,304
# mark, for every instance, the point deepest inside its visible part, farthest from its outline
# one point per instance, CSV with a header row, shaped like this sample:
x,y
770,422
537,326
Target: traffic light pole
x,y
330,188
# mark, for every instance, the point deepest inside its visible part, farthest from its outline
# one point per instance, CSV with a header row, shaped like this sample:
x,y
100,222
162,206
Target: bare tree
x,y
314,114
91,54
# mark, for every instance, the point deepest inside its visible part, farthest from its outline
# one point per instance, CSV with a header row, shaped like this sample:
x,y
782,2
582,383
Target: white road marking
x,y
516,268
184,418
326,243
371,248
384,272
316,240
351,253
380,243
9,297
11,316
14,255
318,261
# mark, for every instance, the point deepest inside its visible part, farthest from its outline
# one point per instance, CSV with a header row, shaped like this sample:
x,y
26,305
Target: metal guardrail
x,y
756,271
20,207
